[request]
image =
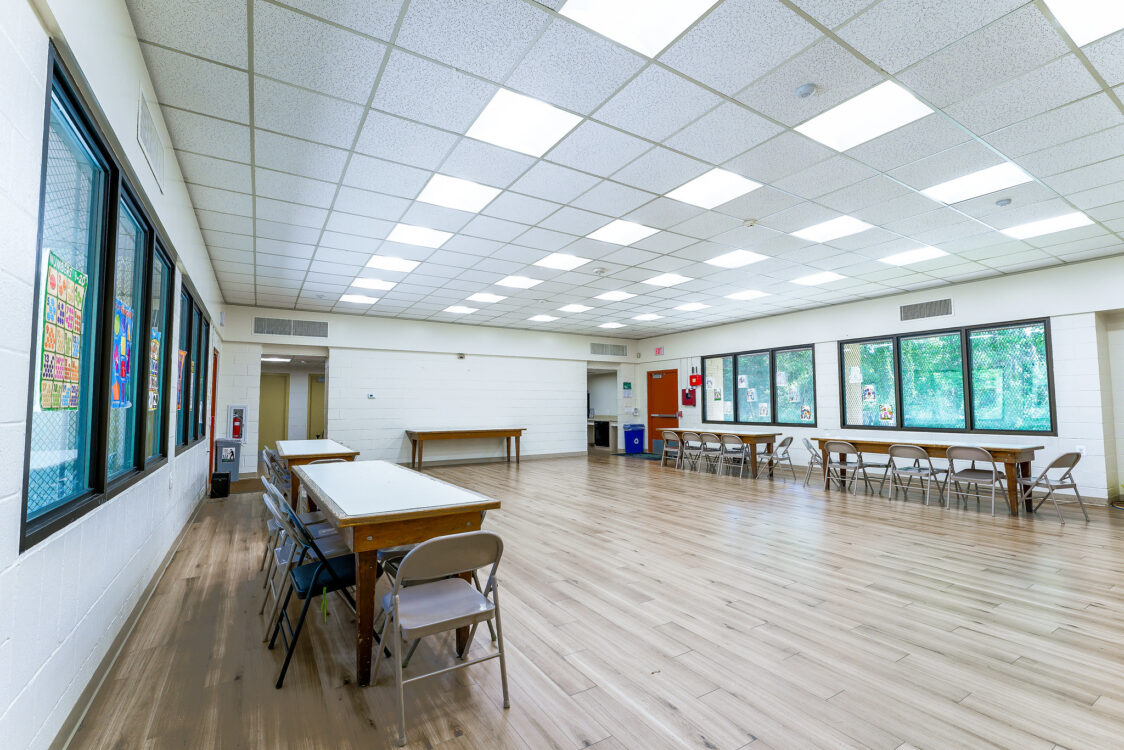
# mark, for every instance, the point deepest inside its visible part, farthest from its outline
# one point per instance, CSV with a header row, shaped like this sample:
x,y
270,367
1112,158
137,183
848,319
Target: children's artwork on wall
x,y
868,393
709,383
717,394
122,371
793,395
856,375
782,377
751,394
806,413
763,409
743,381
886,412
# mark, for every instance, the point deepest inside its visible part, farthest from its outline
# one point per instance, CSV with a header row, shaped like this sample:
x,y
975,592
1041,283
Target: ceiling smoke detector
x,y
749,223
600,271
803,92
1003,202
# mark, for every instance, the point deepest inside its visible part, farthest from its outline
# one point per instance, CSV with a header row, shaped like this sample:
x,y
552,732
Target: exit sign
x,y
659,351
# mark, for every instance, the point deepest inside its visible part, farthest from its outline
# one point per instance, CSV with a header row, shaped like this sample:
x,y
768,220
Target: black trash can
x,y
220,484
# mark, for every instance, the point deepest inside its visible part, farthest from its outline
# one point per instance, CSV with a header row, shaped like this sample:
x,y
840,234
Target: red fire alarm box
x,y
689,396
696,379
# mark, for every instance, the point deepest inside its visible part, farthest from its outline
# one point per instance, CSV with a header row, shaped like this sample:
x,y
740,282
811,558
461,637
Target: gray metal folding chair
x,y
815,462
921,468
771,460
838,468
981,471
733,454
690,446
440,601
302,496
710,452
1064,463
670,448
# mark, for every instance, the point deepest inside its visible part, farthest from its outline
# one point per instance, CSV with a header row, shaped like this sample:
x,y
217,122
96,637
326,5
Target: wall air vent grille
x,y
285,327
933,309
612,350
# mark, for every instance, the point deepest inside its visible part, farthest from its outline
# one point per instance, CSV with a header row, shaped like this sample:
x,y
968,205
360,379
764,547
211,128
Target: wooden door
x,y
273,409
316,429
663,402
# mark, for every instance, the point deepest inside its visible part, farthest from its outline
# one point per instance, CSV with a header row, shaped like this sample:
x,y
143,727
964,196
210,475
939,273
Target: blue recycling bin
x,y
634,438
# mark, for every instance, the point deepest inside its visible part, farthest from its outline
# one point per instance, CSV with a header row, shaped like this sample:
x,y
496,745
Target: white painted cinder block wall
x,y
65,599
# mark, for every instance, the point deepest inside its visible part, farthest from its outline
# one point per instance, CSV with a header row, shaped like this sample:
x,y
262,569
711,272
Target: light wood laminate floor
x,y
648,608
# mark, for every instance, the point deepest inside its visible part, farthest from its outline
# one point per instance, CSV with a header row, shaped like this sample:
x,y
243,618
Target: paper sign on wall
x,y
154,371
751,394
806,413
868,393
60,372
782,377
743,381
179,381
122,362
856,375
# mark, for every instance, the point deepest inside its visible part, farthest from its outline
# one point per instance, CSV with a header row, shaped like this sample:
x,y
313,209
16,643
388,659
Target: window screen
x,y
123,378
156,356
932,371
1010,378
795,382
754,391
183,373
718,389
869,389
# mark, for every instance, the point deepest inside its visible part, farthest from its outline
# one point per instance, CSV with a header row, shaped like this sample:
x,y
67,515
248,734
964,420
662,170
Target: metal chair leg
x,y
1081,503
499,645
398,685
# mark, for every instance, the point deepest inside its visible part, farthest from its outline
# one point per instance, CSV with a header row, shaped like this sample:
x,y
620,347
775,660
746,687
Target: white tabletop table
x,y
300,452
378,504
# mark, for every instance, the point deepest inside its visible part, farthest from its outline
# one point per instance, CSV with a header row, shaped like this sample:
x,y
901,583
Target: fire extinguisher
x,y
236,427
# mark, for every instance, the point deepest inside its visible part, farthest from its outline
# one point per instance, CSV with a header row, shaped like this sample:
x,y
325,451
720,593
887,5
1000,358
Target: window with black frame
x,y
869,382
772,386
156,363
718,389
191,371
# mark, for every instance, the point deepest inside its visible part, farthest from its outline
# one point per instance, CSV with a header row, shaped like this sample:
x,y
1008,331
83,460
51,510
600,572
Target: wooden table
x,y
1014,458
378,504
418,438
751,439
300,452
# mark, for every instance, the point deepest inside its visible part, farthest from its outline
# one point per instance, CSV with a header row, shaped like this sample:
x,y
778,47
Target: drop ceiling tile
x,y
359,225
291,47
1029,193
1012,45
1050,86
519,254
484,163
798,217
877,189
896,209
264,260
957,161
360,247
758,203
660,170
214,199
706,225
293,213
174,25
280,247
207,135
575,221
573,68
217,173
663,213
1099,196
232,256
723,133
656,103
276,230
375,205
418,89
223,267
385,177
472,245
295,156
304,114
230,241
200,86
924,137
552,182
545,239
493,229
1077,153
505,267
837,74
1085,178
521,208
779,157
436,217
613,199
1109,212
898,33
1057,126
832,13
826,176
287,187
403,141
485,37
664,242
593,147
224,222
277,272
1107,56
738,42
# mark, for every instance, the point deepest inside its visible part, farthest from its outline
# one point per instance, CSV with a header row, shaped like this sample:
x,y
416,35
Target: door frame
x,y
214,393
648,400
285,420
324,404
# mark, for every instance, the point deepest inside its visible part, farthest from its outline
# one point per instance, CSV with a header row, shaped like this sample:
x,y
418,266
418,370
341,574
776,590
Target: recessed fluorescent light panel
x,y
647,316
460,309
276,359
646,26
561,261
713,189
1088,20
453,192
519,282
521,123
748,294
621,232
615,296
574,308
611,325
914,256
409,234
485,297
818,278
666,279
872,113
692,307
386,263
827,231
542,318
359,299
999,177
373,284
1048,226
735,259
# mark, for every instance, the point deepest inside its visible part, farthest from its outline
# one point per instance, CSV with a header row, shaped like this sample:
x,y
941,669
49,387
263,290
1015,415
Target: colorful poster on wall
x,y
751,394
60,373
886,412
793,394
806,413
868,393
743,381
763,409
179,381
154,370
122,362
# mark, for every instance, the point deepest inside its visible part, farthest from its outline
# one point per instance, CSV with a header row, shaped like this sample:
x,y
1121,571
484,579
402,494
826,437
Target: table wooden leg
x,y
752,448
507,442
769,449
1012,472
516,449
413,454
366,575
824,456
1024,471
462,633
421,446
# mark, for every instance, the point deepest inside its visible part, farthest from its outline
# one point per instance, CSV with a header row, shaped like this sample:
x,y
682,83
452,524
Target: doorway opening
x,y
601,409
293,398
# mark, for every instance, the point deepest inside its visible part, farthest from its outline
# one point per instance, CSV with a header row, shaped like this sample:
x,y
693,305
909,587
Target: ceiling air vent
x,y
932,309
285,327
613,350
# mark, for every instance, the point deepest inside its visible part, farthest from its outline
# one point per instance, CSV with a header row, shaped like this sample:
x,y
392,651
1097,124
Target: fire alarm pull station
x,y
236,423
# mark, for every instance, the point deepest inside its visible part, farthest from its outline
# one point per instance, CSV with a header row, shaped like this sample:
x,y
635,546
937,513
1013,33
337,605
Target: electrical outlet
x,y
371,396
